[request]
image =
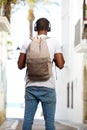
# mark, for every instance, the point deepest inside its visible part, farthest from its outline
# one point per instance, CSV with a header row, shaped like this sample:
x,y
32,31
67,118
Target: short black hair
x,y
42,24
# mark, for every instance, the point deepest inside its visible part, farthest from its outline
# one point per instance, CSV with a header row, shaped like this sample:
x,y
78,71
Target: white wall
x,y
3,81
73,71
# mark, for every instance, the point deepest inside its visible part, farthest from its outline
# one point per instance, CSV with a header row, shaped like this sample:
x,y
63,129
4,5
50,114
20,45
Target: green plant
x,y
9,42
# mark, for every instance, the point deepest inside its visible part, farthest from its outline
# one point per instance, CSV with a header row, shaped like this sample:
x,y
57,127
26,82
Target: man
x,y
41,91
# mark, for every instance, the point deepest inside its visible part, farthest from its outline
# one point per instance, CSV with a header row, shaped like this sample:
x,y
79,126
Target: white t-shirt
x,y
54,48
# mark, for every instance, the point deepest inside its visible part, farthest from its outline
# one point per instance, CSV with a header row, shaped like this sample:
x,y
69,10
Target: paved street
x,y
16,124
39,125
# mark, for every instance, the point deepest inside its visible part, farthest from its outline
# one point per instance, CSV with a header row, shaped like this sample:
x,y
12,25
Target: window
x,y
68,95
72,94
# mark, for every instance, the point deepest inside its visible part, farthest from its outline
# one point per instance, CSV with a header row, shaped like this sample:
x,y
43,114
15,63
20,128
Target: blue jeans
x,y
47,97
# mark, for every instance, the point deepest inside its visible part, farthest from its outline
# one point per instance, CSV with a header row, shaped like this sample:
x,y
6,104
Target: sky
x,y
20,23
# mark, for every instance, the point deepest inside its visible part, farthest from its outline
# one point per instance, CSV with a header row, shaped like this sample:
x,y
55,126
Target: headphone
x,y
37,22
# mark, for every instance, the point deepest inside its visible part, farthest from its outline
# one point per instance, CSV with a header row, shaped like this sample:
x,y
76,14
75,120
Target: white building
x,y
72,89
4,29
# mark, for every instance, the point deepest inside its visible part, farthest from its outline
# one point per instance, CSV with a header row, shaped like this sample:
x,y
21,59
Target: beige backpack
x,y
39,65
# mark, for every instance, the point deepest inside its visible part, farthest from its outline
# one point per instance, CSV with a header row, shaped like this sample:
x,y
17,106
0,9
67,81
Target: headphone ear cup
x,y
49,27
35,27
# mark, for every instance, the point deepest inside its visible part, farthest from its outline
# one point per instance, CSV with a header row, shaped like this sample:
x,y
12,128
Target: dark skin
x,y
58,58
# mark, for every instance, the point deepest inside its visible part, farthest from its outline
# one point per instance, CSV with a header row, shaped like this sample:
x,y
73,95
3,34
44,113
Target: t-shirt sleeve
x,y
24,47
58,48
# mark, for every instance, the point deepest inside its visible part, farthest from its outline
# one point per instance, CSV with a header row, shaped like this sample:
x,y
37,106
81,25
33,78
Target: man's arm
x,y
21,61
59,60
